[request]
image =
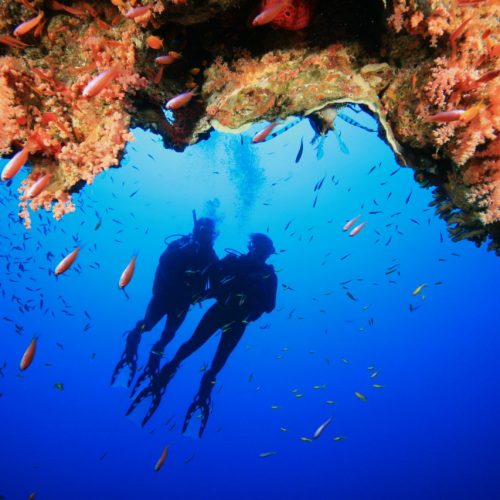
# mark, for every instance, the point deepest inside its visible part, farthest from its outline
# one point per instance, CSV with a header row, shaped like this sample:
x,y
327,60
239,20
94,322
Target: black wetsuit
x,y
244,288
181,280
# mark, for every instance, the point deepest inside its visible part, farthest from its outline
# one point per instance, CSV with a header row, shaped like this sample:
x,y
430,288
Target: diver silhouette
x,y
244,287
180,280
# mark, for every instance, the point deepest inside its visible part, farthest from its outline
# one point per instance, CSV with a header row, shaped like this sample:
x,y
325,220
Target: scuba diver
x,y
244,287
181,279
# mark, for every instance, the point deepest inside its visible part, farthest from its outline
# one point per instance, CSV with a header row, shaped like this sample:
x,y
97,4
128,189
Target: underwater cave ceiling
x,y
427,69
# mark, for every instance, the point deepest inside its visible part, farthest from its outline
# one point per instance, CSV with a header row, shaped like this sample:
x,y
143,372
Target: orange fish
x,y
39,185
12,42
168,59
28,25
261,136
180,100
101,81
357,229
15,164
128,273
138,11
67,262
154,42
161,460
350,223
269,13
447,116
28,355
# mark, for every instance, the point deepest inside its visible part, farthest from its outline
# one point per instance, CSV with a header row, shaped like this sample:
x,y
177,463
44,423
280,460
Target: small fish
x,y
268,454
446,116
360,396
267,15
357,229
377,386
28,25
339,438
59,386
28,355
301,149
15,164
306,440
181,100
170,58
39,185
351,296
350,223
161,460
284,429
101,81
127,273
154,42
321,428
67,262
137,11
418,289
329,402
275,407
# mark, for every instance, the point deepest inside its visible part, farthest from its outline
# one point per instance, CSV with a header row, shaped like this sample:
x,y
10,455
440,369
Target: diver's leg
x,y
202,401
174,321
209,324
154,312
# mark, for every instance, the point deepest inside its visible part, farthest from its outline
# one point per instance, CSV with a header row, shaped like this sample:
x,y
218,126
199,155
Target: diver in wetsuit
x,y
244,287
181,280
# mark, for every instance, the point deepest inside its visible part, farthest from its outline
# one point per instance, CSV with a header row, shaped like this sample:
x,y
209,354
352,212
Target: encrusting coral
x,y
431,77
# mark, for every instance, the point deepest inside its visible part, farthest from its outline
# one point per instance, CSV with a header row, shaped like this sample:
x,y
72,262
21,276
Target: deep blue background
x,y
431,431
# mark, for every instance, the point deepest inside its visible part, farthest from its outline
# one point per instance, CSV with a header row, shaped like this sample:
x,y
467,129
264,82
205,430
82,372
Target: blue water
x,y
430,432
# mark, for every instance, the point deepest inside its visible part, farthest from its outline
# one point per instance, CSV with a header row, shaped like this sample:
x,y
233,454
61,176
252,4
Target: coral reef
x,y
428,69
457,79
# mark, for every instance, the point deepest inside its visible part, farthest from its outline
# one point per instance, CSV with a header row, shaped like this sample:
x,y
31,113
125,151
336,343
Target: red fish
x,y
180,100
154,42
28,25
161,460
99,82
67,262
447,116
127,274
138,11
350,223
39,185
357,229
28,355
168,59
269,11
15,164
261,136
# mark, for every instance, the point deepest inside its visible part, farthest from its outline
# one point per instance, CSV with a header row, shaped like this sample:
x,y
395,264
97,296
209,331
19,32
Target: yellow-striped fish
x,y
360,396
418,289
